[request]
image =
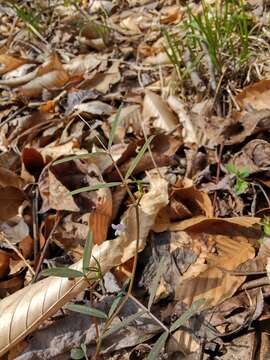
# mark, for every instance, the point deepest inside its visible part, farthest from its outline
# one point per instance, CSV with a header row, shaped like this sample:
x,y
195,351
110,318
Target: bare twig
x,y
45,247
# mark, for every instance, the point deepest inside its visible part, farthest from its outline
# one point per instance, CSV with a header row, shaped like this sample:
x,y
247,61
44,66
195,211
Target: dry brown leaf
x,y
23,311
81,65
228,226
58,197
4,263
255,96
254,156
8,63
9,178
53,80
213,284
100,217
103,81
11,199
157,114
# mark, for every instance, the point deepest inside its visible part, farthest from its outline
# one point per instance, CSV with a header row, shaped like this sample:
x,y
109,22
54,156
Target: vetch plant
x,y
126,294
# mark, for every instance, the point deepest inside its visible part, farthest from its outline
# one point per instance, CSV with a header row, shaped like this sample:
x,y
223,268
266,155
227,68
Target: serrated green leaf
x,y
231,168
87,252
187,314
240,187
77,157
87,310
95,187
76,354
243,172
159,344
155,282
62,272
115,303
138,157
124,323
114,126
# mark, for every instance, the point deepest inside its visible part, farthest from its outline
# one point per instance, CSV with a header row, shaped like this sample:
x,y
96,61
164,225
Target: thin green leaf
x,y
114,126
76,354
95,187
244,172
155,282
86,310
187,314
240,187
159,344
77,157
124,323
87,252
115,303
64,272
138,157
231,168
266,229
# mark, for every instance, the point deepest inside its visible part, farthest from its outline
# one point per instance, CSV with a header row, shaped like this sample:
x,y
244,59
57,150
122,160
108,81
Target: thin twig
x,y
45,247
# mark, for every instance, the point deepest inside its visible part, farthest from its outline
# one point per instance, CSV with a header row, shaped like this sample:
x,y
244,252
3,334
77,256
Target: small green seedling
x,y
241,184
79,353
265,223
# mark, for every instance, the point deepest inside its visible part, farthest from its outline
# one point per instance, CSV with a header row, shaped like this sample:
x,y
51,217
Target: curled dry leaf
x,y
23,311
254,156
255,96
157,114
8,63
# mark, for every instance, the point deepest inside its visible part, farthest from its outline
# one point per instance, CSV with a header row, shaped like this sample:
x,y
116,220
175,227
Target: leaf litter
x,y
134,136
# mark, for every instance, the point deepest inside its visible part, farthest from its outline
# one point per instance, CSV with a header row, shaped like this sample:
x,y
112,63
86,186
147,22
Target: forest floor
x,y
134,179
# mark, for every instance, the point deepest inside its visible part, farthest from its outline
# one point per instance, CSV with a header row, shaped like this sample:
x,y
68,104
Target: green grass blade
x,y
114,126
87,251
94,187
187,314
154,285
78,157
87,310
156,349
124,323
138,157
62,272
115,304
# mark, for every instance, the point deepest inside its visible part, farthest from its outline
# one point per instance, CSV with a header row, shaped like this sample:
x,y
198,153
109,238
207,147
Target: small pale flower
x,y
119,228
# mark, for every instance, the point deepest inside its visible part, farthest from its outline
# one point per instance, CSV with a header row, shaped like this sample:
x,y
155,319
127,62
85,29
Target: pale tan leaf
x,y
8,63
157,113
82,64
255,96
53,80
26,309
